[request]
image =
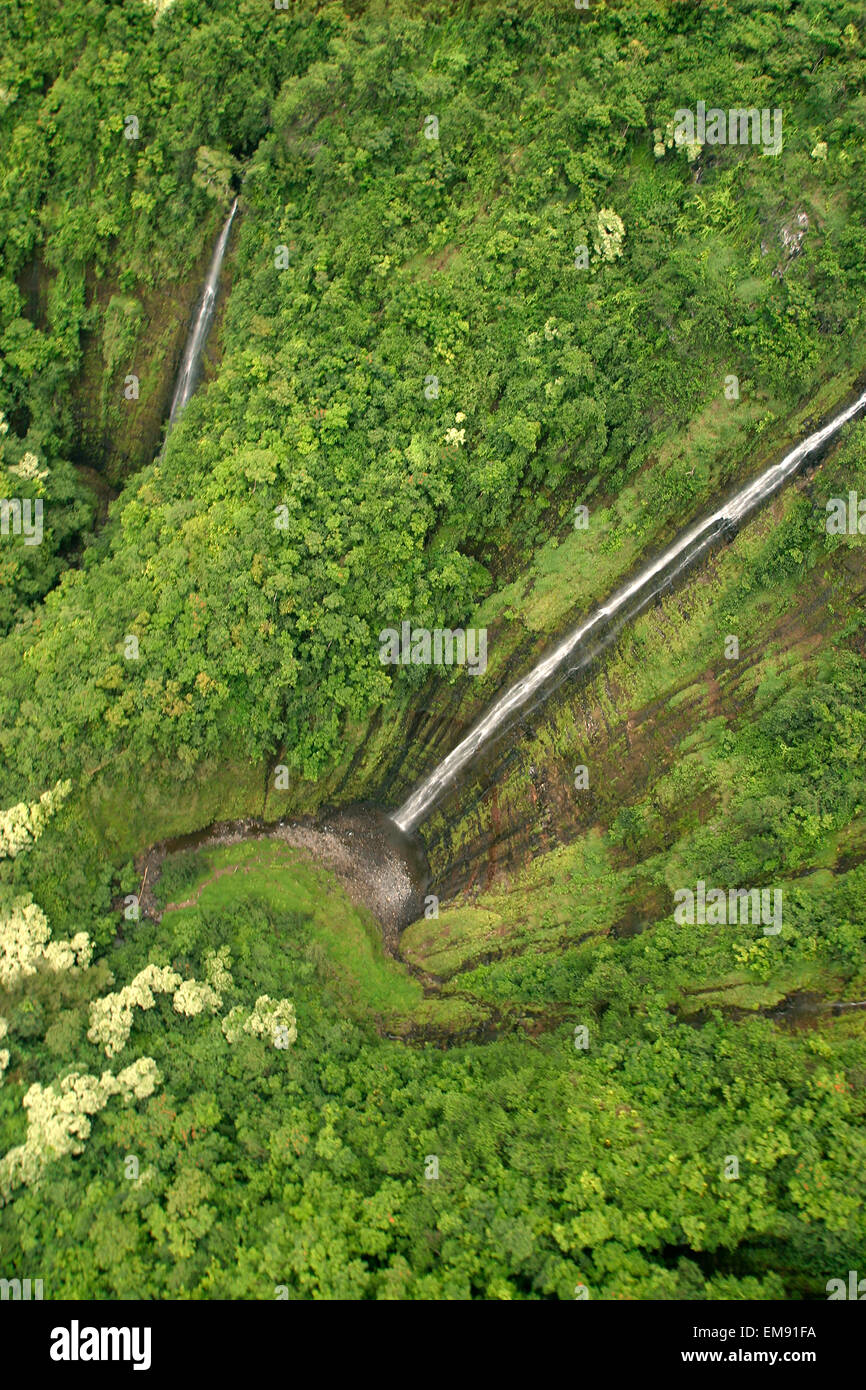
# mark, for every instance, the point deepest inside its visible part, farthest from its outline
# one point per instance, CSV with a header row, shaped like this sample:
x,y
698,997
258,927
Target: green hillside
x,y
473,284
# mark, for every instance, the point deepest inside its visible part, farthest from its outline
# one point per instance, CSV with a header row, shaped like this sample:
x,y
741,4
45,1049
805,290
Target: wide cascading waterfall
x,y
627,600
190,366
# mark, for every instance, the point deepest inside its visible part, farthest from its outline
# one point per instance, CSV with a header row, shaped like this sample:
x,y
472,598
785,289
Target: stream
x,y
580,646
378,856
190,366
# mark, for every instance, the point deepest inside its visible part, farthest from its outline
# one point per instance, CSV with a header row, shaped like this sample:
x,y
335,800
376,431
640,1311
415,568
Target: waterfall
x,y
631,597
187,377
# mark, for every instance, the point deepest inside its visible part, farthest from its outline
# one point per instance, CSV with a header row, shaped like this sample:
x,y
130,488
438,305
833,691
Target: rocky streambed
x,y
379,866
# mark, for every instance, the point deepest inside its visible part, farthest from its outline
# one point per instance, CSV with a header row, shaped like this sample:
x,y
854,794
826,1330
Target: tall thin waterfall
x,y
187,377
655,576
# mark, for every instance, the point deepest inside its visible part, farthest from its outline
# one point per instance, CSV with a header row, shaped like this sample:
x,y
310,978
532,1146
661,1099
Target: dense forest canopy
x,y
473,283
409,259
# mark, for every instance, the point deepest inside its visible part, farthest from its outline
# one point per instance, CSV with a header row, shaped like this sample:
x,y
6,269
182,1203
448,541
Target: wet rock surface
x,y
378,865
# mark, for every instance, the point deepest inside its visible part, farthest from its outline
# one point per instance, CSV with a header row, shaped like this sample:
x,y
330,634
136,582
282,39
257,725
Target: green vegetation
x,y
412,384
737,772
254,1167
409,258
359,970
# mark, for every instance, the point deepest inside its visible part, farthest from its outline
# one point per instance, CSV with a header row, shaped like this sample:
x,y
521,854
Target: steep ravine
x,y
472,825
518,801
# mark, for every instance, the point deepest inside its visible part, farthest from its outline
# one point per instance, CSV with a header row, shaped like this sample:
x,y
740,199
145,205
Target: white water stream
x,y
187,377
680,553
